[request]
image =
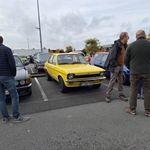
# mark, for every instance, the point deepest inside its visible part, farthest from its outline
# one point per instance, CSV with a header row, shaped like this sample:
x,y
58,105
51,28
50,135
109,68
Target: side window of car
x,y
54,60
104,58
50,59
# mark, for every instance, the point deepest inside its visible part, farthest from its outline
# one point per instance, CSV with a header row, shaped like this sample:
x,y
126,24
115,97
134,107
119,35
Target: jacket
x,y
137,57
111,61
7,62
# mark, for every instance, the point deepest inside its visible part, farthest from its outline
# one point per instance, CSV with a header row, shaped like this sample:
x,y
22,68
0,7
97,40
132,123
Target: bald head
x,y
140,33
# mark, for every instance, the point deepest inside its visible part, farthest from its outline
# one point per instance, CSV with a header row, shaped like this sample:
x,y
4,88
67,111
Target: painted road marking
x,y
40,87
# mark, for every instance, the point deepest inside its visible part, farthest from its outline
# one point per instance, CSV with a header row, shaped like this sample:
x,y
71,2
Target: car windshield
x,y
43,57
71,59
18,61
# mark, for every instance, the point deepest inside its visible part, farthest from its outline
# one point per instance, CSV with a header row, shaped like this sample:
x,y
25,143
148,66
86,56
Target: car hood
x,y
80,69
22,73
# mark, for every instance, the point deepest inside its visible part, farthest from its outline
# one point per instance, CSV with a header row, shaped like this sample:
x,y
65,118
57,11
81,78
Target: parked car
x,y
72,70
22,79
39,61
99,61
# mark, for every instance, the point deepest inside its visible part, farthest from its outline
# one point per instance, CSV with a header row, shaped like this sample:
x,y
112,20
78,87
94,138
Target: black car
x,y
39,61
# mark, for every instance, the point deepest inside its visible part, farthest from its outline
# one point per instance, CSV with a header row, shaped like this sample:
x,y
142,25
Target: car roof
x,y
65,54
101,52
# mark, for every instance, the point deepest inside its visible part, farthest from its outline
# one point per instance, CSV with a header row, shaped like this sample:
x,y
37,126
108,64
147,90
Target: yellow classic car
x,y
72,70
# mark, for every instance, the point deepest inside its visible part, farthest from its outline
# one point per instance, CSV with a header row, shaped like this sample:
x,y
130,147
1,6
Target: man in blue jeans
x,y
7,74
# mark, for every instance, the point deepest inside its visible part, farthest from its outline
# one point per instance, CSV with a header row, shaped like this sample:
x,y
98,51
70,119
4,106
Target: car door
x,y
53,68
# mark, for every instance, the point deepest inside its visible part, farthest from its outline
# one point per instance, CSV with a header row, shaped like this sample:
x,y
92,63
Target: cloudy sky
x,y
70,22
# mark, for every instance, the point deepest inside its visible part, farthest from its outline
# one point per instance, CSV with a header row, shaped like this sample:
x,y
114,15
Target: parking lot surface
x,y
96,126
77,120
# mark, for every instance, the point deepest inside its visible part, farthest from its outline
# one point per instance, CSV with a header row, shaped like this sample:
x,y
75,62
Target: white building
x,y
27,52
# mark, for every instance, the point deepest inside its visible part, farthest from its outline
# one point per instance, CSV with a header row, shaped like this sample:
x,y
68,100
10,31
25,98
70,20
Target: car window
x,y
71,59
54,60
43,57
82,60
18,61
104,58
50,59
98,58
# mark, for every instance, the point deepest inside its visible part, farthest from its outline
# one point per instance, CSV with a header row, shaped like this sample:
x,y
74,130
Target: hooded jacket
x,y
111,61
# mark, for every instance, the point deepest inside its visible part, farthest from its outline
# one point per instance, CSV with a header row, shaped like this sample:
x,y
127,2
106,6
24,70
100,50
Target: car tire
x,y
48,76
61,85
124,79
96,86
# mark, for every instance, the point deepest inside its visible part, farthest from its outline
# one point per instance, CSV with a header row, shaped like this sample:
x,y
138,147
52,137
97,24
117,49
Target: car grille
x,y
86,76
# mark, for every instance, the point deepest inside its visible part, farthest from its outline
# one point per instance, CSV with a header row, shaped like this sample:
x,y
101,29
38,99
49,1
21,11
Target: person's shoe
x,y
131,111
142,96
107,100
147,114
21,119
138,96
122,97
5,120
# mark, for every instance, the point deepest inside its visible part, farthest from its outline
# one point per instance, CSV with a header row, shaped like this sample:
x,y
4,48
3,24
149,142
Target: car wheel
x,y
48,76
61,85
96,86
124,78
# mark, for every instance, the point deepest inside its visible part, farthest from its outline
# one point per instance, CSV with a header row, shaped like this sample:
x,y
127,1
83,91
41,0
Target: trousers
x,y
134,82
9,83
117,75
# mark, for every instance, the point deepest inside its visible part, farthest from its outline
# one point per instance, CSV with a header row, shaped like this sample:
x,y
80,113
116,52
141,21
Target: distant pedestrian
x,y
137,59
140,91
115,63
7,74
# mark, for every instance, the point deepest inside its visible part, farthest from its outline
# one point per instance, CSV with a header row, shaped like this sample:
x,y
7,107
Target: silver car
x,y
22,79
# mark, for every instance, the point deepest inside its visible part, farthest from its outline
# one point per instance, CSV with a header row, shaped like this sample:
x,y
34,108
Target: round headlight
x,y
102,73
22,82
70,76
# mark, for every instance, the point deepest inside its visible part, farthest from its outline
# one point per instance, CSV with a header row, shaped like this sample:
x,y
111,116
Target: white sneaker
x,y
21,119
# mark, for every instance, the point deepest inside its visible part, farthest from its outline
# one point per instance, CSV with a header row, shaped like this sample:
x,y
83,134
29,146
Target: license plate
x,y
86,83
6,92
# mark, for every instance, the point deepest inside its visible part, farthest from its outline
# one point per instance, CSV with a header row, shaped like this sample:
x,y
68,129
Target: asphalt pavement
x,y
96,126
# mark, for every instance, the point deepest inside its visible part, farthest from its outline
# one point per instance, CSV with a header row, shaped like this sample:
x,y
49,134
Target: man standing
x,y
7,74
137,59
114,64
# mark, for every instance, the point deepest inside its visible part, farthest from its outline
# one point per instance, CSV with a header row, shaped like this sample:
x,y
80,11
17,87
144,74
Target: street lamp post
x,y
39,26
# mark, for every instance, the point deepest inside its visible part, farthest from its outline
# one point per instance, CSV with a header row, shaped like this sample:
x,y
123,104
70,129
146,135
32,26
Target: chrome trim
x,y
84,80
23,87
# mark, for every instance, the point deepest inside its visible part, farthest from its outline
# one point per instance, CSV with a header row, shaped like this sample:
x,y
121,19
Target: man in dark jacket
x,y
7,74
114,64
137,59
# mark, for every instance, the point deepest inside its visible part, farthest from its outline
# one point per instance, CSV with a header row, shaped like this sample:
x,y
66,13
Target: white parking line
x,y
40,87
113,87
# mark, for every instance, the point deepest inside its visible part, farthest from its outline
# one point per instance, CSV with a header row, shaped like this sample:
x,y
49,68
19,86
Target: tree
x,y
92,45
148,37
